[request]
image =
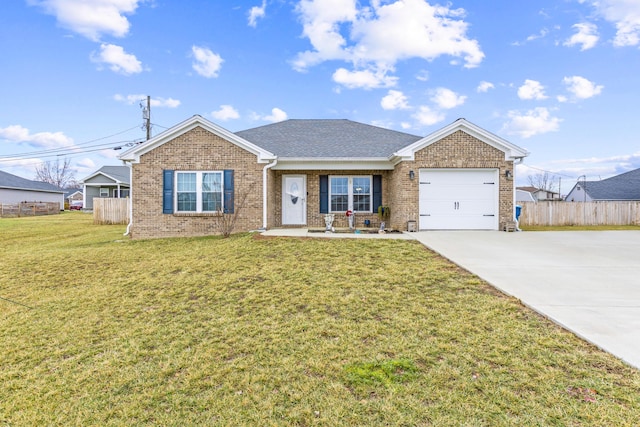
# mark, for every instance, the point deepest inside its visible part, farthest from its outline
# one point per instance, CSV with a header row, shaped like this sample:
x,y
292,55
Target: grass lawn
x,y
278,331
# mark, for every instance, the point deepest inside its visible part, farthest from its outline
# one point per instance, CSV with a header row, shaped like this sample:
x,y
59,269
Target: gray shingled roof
x,y
327,138
120,173
8,180
625,186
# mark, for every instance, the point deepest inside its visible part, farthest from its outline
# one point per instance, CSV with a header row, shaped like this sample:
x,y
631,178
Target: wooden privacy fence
x,y
579,213
110,211
28,209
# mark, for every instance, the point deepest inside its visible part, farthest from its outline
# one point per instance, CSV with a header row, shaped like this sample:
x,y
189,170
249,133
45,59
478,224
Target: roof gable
x,y
117,174
8,180
510,150
133,155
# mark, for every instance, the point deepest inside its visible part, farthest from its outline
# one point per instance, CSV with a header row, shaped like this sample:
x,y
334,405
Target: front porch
x,y
359,233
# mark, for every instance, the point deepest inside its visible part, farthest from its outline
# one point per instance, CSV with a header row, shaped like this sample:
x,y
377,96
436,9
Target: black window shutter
x,y
324,193
167,191
228,191
377,192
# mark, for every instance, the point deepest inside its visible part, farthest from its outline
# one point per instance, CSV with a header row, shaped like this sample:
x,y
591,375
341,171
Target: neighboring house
x,y
108,181
73,195
524,196
292,173
14,189
540,195
621,187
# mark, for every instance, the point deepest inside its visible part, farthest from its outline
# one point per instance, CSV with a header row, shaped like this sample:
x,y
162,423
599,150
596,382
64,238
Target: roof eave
x,y
511,151
32,189
333,163
133,154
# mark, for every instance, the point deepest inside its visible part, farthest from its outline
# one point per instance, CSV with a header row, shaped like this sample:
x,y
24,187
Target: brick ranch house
x,y
291,173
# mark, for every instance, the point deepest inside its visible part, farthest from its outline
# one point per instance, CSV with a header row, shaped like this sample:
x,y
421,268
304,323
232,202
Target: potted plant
x,y
384,212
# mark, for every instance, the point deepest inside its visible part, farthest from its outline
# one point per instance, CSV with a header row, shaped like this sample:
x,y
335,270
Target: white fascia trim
x,y
107,184
116,181
348,163
511,151
133,155
32,189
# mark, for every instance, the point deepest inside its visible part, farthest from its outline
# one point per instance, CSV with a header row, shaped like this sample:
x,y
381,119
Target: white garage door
x,y
458,199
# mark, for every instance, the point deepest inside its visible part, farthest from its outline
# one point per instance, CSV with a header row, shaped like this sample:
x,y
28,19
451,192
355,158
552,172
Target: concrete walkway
x,y
586,281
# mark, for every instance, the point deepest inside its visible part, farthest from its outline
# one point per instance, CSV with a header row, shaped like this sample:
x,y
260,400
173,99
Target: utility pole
x,y
147,114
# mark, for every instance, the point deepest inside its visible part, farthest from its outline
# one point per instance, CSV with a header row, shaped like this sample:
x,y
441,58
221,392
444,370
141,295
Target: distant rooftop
x,y
8,180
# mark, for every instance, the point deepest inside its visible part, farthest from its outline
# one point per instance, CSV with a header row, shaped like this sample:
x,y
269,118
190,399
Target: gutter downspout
x,y
517,161
126,233
264,192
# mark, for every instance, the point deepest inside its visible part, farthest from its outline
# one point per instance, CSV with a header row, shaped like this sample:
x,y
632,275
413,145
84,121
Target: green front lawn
x,y
257,331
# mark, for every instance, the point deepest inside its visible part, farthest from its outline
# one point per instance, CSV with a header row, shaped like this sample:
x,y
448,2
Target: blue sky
x,y
560,78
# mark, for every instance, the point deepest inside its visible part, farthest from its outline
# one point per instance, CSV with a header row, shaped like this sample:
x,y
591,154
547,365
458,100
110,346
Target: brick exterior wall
x,y
196,150
458,150
200,150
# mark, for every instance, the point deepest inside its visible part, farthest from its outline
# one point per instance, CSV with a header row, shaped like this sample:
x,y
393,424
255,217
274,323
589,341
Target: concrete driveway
x,y
586,281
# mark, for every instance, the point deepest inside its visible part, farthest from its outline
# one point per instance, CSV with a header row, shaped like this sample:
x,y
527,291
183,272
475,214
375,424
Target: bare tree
x,y
56,173
543,181
73,183
227,221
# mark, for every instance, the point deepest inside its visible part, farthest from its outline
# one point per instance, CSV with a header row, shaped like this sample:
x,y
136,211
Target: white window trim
x,y
350,192
105,188
198,191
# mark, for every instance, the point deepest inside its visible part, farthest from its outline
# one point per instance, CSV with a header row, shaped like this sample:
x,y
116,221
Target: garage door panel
x,y
463,207
449,222
458,199
466,192
455,177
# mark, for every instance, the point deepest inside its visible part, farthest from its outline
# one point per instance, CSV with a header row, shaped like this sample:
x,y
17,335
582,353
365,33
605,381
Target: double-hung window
x,y
350,193
199,191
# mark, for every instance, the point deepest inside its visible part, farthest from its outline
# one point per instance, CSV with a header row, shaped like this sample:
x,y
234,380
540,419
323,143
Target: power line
x,y
63,150
70,148
551,172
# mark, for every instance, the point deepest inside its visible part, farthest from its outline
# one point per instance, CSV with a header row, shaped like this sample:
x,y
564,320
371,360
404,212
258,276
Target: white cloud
x,y
257,12
394,100
427,117
586,37
543,33
423,75
17,133
117,59
91,18
625,15
364,79
531,89
484,87
277,115
582,88
206,63
383,34
155,102
533,122
226,112
446,99
405,125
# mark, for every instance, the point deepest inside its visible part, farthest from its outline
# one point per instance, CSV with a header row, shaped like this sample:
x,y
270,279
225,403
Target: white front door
x,y
294,199
458,199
